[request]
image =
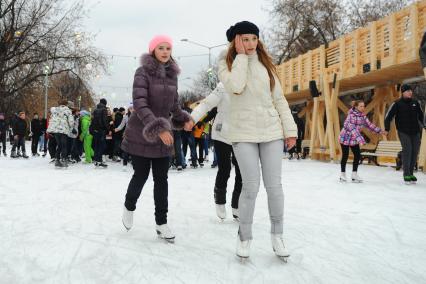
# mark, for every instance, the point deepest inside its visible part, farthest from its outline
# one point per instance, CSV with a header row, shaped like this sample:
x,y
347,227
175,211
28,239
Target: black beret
x,y
239,28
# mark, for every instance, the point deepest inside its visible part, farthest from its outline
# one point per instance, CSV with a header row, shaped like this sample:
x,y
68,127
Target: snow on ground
x,y
64,226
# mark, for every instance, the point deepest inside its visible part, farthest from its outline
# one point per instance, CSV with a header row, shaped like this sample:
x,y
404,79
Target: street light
x,y
46,71
205,46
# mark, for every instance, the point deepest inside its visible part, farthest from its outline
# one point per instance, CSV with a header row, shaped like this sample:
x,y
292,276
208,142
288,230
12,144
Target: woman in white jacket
x,y
259,120
220,99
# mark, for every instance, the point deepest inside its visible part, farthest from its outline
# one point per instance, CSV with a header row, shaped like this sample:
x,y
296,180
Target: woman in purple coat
x,y
351,137
148,137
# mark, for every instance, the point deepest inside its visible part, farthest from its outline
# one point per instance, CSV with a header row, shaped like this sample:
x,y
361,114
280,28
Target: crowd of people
x,y
246,118
70,135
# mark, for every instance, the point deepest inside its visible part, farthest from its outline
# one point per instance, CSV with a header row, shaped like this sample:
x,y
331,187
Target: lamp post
x,y
46,70
205,46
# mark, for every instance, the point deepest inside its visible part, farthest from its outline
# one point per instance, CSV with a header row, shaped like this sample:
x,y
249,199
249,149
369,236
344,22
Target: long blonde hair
x,y
264,58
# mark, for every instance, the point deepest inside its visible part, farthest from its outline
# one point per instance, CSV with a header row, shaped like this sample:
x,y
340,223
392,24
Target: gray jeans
x,y
410,149
270,155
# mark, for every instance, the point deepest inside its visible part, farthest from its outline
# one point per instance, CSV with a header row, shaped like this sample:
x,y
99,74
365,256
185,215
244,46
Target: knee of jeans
x,y
251,185
274,188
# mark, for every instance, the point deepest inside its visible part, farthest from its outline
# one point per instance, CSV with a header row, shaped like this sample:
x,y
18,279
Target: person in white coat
x,y
259,120
220,100
60,126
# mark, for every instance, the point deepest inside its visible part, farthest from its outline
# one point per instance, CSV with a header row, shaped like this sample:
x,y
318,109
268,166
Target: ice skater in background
x,y
351,137
220,100
148,135
409,120
260,119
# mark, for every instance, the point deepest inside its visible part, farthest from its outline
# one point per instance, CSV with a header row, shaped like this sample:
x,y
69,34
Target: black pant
x,y
75,150
46,139
34,143
410,149
142,166
61,145
179,160
18,141
3,142
345,154
200,143
224,152
52,146
99,145
117,145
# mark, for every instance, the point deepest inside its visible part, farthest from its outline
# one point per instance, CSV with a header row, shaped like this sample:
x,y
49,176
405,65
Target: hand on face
x,y
239,45
246,44
163,52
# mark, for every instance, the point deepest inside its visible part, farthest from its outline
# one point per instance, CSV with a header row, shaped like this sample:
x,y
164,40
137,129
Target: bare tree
x,y
39,38
361,12
302,25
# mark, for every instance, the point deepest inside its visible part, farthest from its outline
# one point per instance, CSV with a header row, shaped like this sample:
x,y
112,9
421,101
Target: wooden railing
x,y
390,41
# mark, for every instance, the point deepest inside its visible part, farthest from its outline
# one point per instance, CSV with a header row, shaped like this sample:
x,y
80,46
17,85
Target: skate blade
x,y
168,240
357,181
242,259
283,258
127,229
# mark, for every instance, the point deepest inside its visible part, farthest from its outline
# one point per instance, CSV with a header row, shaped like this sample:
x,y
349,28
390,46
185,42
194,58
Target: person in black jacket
x,y
19,130
117,137
3,130
409,122
43,137
35,133
99,128
300,134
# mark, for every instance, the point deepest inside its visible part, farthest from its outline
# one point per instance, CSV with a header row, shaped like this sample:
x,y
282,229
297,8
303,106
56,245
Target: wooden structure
x,y
377,58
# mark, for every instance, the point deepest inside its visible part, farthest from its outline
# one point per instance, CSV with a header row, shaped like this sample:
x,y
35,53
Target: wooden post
x,y
414,22
314,127
330,124
392,38
373,46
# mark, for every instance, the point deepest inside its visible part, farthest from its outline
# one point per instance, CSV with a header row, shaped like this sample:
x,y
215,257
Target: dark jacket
x,y
36,127
43,122
117,121
408,116
19,127
300,126
99,119
3,128
155,97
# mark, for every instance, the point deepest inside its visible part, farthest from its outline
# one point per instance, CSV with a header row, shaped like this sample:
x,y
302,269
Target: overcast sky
x,y
124,27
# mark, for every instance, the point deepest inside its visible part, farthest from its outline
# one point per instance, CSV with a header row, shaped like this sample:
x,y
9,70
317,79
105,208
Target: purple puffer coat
x,y
155,97
351,132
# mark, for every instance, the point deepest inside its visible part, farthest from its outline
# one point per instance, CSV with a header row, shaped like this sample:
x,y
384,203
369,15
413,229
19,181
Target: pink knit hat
x,y
155,41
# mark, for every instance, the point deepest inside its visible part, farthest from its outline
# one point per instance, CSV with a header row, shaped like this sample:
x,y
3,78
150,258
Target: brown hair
x,y
356,103
264,58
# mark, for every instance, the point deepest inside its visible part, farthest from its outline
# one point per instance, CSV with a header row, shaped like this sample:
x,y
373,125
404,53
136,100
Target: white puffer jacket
x,y
255,115
61,120
221,99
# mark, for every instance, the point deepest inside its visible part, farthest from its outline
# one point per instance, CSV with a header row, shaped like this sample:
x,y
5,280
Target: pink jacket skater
x,y
351,132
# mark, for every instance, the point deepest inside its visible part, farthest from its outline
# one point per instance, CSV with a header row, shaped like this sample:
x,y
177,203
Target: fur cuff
x,y
179,124
154,128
